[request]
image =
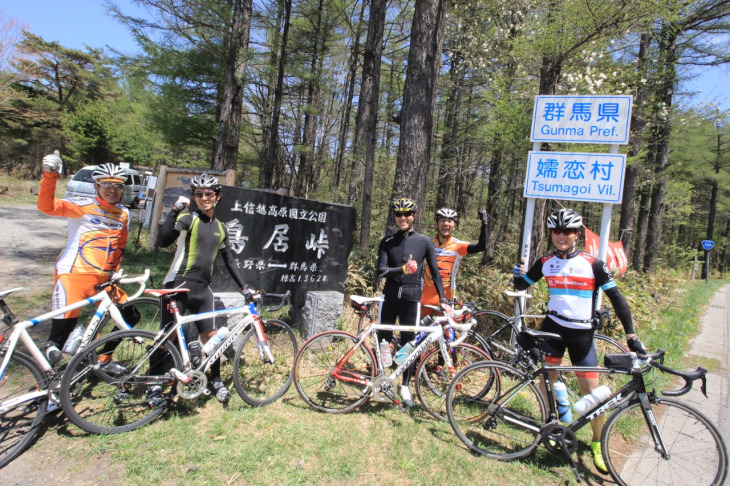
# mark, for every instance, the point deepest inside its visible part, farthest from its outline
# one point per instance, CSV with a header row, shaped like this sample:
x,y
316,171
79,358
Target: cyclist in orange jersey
x,y
449,252
97,236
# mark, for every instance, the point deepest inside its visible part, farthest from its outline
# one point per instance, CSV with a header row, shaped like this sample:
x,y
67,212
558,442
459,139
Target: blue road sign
x,y
708,244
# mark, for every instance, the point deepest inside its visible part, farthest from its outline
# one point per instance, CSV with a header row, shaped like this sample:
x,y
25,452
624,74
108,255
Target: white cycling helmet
x,y
447,213
105,172
565,219
205,181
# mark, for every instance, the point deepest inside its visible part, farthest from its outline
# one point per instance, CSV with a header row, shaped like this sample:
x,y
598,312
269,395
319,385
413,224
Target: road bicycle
x,y
101,403
499,411
337,372
28,381
499,331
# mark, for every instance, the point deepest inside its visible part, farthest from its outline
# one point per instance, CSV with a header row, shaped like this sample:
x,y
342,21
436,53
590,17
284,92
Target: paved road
x,y
713,342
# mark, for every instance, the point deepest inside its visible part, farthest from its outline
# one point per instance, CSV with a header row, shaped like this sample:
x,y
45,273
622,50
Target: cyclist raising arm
x,y
449,252
574,278
400,261
97,236
200,237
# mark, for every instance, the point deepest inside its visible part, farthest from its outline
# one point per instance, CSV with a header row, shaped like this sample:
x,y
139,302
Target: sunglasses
x,y
561,231
204,194
112,185
399,214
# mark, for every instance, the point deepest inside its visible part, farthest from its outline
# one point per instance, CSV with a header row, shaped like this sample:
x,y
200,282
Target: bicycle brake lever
x,y
703,387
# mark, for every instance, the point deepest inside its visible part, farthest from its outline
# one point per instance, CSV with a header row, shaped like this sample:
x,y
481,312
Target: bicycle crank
x,y
383,387
195,385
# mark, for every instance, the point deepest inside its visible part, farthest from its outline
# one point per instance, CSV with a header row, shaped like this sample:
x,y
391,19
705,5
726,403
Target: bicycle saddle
x,y
162,292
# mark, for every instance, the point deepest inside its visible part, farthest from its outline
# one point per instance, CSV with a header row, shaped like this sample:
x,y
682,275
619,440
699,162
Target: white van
x,y
81,184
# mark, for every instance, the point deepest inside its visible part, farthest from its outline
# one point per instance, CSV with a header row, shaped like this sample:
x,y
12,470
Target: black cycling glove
x,y
637,346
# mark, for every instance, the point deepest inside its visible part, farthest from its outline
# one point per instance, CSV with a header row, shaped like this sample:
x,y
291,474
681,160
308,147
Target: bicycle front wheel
x,y
21,422
433,377
257,380
696,453
326,379
104,400
496,410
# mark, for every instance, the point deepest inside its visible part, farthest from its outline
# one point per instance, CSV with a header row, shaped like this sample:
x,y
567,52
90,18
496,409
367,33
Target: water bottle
x,y
74,340
589,401
561,397
385,353
213,342
195,349
404,352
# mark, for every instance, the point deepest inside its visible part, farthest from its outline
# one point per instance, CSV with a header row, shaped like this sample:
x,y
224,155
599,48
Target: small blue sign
x,y
708,244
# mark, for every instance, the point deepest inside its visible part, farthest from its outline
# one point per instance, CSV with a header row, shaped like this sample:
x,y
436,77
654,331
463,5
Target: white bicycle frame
x,y
435,332
20,330
250,314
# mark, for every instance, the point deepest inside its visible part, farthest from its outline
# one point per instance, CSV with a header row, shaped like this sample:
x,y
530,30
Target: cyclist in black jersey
x,y
200,237
400,261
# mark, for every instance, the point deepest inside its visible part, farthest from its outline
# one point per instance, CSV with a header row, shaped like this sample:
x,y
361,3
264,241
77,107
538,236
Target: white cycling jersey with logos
x,y
573,282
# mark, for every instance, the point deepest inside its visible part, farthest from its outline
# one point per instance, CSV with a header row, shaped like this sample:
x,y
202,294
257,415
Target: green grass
x,y
200,442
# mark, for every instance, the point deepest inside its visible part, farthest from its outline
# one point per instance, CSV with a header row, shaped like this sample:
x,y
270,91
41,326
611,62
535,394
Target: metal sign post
x,y
707,245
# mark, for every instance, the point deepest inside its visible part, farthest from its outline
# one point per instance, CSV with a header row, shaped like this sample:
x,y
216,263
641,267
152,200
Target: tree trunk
x,y
230,101
667,84
424,62
266,176
628,204
367,115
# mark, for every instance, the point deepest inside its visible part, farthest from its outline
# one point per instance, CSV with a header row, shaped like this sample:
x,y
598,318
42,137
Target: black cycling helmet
x,y
565,219
405,205
206,181
448,214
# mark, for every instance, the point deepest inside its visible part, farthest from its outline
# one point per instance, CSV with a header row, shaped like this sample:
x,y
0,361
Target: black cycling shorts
x,y
579,343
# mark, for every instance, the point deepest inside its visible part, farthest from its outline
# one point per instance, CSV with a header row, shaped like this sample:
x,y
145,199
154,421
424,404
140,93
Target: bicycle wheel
x,y
22,422
314,370
696,451
141,313
257,380
433,377
604,345
496,329
102,403
496,410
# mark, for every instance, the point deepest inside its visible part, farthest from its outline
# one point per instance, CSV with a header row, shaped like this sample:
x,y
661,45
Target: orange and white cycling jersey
x,y
98,231
448,256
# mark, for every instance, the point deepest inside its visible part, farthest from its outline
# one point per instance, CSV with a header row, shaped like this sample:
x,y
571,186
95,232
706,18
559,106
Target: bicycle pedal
x,y
180,376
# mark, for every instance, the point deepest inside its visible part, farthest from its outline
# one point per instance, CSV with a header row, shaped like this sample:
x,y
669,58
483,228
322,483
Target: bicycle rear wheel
x,y
315,366
496,410
696,451
140,313
604,345
257,380
433,377
23,422
496,329
103,403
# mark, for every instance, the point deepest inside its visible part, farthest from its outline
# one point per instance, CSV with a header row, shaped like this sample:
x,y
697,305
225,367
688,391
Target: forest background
x,y
359,102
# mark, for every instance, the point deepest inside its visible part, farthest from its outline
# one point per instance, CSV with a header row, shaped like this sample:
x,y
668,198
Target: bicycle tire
x,y
313,377
257,381
604,345
100,403
20,425
697,453
495,329
477,412
432,378
149,316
